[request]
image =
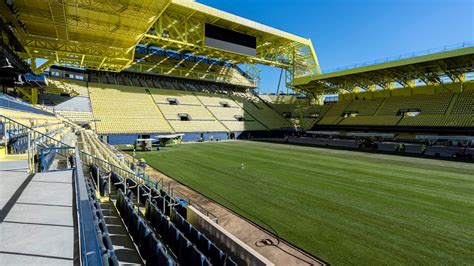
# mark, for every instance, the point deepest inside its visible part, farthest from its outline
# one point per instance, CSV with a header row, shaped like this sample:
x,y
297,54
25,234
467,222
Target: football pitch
x,y
341,206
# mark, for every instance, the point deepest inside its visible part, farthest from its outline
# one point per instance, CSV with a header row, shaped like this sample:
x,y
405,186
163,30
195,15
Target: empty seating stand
x,y
103,237
185,251
163,236
125,110
103,183
423,106
209,249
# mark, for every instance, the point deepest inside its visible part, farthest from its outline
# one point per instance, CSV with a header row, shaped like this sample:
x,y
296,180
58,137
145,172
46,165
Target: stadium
x,y
136,132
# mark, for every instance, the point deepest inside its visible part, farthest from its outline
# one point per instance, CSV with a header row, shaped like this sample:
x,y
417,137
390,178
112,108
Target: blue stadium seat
x,y
120,201
216,256
149,246
178,221
155,219
117,180
107,242
133,225
197,258
184,250
132,186
204,244
230,262
154,193
103,186
144,192
158,255
194,235
102,227
99,214
167,210
113,261
173,237
181,210
100,240
94,171
143,233
164,229
163,193
128,211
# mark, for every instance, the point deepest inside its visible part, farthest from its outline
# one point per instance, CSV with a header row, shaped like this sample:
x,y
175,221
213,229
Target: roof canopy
x,y
103,34
429,68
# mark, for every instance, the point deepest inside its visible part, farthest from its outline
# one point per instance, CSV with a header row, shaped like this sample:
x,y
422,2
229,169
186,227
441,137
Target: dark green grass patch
x,y
344,207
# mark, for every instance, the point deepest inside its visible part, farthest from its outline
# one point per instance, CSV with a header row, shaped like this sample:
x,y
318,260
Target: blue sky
x,y
346,32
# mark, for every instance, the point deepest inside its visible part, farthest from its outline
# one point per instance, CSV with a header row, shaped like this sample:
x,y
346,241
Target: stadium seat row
x,y
190,246
103,236
151,249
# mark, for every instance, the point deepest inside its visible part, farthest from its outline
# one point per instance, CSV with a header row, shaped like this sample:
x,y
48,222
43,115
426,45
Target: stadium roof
x,y
428,68
103,34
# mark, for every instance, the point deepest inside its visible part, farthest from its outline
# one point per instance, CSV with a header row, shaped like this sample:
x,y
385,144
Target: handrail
x,y
88,244
121,171
35,131
204,211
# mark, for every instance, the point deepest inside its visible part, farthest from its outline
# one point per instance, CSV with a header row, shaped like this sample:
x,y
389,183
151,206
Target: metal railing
x,y
204,211
89,244
21,139
48,154
90,252
50,147
92,159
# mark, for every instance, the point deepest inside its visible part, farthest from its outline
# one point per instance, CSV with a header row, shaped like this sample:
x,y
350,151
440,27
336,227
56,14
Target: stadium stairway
x,y
452,104
123,246
380,107
213,115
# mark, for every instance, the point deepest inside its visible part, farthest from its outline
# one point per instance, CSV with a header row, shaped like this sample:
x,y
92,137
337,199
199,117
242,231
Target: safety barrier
x,y
22,139
90,253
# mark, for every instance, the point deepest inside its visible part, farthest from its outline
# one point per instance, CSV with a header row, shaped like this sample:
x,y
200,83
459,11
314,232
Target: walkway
x,y
37,220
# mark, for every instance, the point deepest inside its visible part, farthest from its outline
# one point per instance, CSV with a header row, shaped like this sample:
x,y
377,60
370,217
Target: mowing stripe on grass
x,y
345,207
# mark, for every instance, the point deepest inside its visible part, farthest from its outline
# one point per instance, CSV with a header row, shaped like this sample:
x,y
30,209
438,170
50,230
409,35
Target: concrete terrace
x,y
37,222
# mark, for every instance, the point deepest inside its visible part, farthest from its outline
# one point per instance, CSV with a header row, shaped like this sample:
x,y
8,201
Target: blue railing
x,y
403,56
89,242
48,154
18,137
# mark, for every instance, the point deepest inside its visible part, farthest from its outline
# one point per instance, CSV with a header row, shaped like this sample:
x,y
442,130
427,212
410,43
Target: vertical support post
x,y
125,185
30,167
138,196
34,96
164,204
98,184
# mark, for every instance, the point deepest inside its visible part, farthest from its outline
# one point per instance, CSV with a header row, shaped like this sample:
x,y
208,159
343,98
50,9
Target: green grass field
x,y
344,207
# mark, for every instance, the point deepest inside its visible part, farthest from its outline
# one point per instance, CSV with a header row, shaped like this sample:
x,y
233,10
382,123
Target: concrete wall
x,y
238,250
